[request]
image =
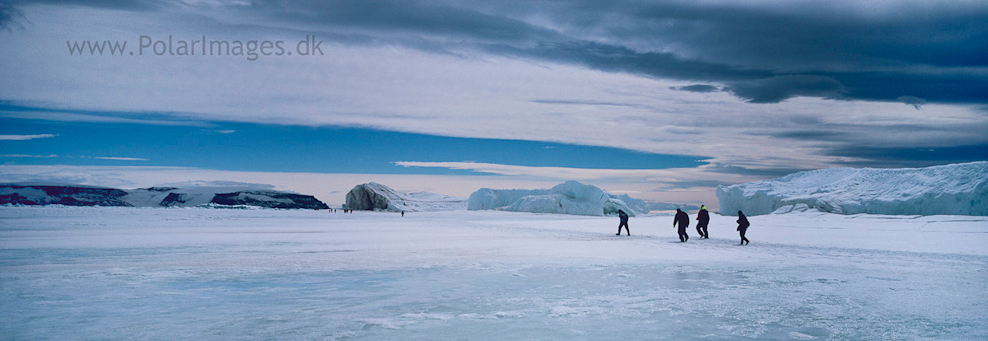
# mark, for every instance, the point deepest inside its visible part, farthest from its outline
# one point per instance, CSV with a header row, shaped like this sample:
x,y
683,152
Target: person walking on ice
x,y
743,227
703,218
624,222
683,220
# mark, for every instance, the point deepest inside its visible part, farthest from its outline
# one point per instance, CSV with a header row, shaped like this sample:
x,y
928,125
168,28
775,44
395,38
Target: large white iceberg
x,y
958,189
570,197
378,197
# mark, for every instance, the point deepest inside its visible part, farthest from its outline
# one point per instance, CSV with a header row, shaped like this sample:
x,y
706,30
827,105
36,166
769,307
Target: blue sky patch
x,y
279,148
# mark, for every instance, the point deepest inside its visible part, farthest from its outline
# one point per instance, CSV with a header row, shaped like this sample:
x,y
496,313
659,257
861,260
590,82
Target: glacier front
x,y
957,189
570,197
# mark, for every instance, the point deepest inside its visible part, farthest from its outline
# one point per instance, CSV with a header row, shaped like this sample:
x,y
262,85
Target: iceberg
x,y
373,196
570,197
957,189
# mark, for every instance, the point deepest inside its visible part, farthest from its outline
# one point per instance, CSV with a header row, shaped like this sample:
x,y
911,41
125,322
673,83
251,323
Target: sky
x,y
662,100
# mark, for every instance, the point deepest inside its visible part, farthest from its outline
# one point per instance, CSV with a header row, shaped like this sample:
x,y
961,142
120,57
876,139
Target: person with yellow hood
x,y
703,218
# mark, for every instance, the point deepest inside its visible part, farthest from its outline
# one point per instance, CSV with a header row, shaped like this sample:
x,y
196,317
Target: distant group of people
x,y
345,210
682,221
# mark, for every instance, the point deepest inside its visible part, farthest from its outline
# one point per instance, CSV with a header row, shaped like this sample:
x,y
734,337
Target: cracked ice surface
x,y
119,273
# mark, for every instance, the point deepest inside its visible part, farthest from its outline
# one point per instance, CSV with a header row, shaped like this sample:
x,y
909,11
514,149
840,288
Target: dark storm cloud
x,y
111,4
592,103
862,133
760,172
812,135
820,35
762,53
780,88
950,87
7,14
910,157
446,28
398,21
916,102
701,88
10,12
866,146
614,58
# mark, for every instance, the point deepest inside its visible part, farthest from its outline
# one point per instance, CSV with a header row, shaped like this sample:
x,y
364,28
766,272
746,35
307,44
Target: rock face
x,y
377,197
269,199
174,199
959,189
570,197
28,194
73,195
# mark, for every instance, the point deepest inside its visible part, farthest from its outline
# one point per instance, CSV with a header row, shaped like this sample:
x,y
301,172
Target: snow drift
x,y
570,197
76,195
378,197
958,189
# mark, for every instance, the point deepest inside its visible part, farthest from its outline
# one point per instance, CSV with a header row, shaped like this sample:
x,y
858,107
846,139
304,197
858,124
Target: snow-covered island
x,y
32,194
958,189
570,197
373,196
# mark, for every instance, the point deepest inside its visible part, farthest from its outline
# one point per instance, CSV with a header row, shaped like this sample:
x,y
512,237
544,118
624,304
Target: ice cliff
x,y
958,189
76,195
570,197
378,197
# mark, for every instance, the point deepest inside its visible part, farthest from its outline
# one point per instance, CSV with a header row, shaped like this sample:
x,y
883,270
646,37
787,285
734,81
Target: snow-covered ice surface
x,y
187,273
959,189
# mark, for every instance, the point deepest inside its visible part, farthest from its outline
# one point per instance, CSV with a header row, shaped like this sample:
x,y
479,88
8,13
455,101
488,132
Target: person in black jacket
x,y
743,227
624,222
703,218
683,220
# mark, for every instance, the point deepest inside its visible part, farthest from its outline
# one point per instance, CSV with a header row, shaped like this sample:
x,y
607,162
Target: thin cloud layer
x,y
25,137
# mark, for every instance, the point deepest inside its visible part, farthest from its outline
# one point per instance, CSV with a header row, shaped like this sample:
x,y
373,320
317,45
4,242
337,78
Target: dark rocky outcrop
x,y
158,189
61,195
269,199
75,195
174,199
16,199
